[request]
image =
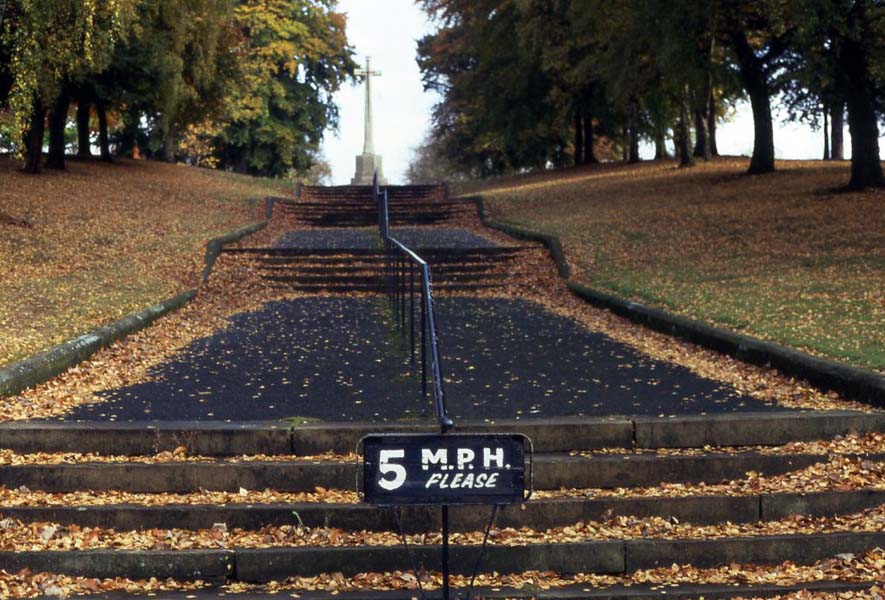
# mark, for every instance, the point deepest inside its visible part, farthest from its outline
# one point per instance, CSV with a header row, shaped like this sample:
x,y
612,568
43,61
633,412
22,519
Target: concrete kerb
x,y
26,373
859,384
29,372
214,246
551,242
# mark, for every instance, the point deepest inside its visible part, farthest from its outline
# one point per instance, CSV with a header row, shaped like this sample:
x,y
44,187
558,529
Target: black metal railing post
x,y
403,269
412,313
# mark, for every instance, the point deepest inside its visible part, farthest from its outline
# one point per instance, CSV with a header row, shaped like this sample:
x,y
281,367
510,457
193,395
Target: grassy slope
x,y
779,256
105,240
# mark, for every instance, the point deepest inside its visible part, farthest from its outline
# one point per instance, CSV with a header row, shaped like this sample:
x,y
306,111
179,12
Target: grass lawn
x,y
782,256
83,247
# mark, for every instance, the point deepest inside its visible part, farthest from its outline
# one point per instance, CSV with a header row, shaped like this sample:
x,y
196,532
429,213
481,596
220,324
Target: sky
x,y
387,30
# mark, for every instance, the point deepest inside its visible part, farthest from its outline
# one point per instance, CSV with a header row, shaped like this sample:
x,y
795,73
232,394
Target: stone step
x,y
367,221
560,434
772,428
376,288
428,253
371,269
601,557
146,438
379,279
439,264
371,214
362,213
534,514
579,592
551,472
369,205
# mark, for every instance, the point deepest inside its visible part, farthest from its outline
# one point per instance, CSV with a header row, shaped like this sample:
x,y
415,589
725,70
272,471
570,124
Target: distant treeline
x,y
237,84
530,83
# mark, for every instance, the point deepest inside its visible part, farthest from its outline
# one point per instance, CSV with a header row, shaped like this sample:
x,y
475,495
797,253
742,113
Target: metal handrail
x,y
398,256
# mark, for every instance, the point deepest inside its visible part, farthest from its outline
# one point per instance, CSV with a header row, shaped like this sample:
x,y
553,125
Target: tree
x,y
858,41
758,34
298,57
499,111
429,164
840,46
50,44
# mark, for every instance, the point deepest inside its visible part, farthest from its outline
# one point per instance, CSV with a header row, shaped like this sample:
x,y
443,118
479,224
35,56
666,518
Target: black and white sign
x,y
403,469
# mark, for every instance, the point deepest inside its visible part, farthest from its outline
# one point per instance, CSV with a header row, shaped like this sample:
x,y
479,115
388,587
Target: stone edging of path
x,y
26,373
858,384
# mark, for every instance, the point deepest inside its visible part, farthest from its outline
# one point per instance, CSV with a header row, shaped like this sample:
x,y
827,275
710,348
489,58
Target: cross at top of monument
x,y
367,74
368,163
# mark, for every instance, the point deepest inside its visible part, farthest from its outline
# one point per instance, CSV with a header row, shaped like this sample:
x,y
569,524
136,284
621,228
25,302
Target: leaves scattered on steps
x,y
871,443
26,497
873,593
26,584
180,454
866,567
17,535
840,474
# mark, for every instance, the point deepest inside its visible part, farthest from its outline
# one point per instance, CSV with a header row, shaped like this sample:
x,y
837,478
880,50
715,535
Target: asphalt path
x,y
339,359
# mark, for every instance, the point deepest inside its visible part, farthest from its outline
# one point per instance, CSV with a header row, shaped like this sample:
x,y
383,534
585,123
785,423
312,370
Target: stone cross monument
x,y
368,162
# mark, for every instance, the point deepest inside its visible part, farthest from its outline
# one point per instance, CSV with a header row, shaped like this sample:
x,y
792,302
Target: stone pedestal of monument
x,y
366,165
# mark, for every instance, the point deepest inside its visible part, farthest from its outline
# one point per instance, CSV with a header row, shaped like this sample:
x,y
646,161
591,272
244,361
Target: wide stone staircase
x,y
353,206
328,271
354,259
262,502
749,504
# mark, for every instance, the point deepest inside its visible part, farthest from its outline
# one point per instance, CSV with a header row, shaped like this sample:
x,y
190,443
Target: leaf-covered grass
x,y
83,247
784,256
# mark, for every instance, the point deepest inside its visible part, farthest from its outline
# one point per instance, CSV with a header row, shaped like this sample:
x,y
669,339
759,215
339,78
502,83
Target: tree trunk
x,y
837,127
84,144
866,166
711,126
756,83
35,139
661,146
702,139
169,144
589,139
58,118
826,134
129,137
243,165
579,139
103,141
633,131
701,110
685,157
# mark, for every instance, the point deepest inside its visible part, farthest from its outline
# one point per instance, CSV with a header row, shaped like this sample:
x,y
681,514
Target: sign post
x,y
445,469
